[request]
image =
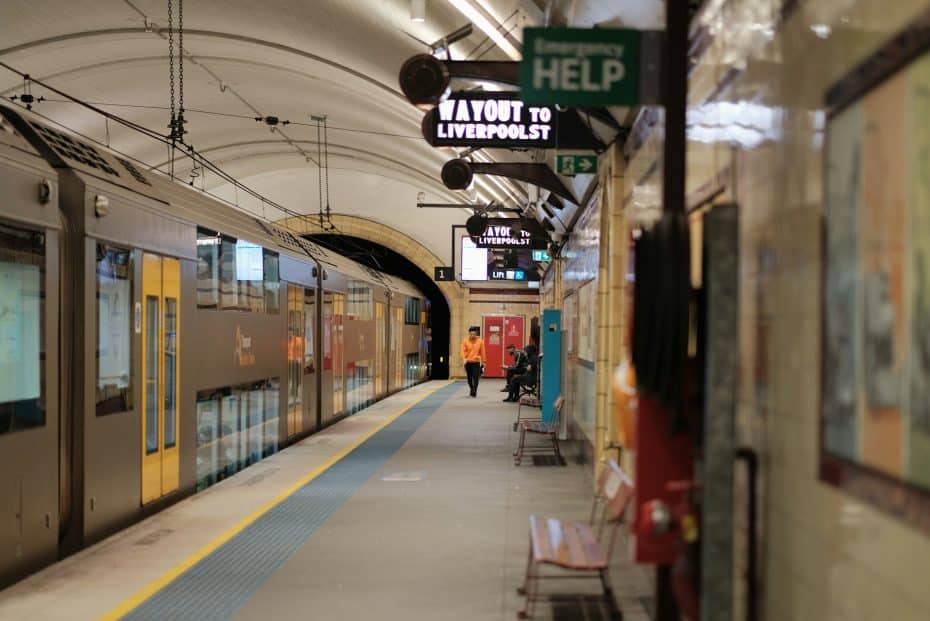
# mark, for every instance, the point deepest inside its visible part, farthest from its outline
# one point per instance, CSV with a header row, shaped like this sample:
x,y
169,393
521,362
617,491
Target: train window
x,y
208,269
359,301
309,322
236,427
250,274
255,422
229,434
272,282
114,329
208,427
229,285
171,357
412,312
234,274
22,339
272,401
151,375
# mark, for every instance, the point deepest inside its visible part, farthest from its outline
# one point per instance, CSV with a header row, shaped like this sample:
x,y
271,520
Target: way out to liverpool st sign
x,y
490,120
580,66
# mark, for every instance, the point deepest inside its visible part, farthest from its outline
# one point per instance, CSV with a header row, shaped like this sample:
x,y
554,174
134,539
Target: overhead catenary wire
x,y
152,26
231,115
198,160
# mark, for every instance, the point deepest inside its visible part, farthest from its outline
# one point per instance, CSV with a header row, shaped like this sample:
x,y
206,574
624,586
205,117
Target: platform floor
x,y
410,509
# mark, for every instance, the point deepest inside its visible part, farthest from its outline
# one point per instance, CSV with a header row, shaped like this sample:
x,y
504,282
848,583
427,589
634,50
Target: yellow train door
x,y
161,294
380,337
295,359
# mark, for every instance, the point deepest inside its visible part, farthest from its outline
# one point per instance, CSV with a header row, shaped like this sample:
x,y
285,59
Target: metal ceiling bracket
x,y
424,79
458,174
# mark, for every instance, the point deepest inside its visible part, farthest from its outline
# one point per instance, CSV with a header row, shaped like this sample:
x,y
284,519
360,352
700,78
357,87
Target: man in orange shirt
x,y
473,355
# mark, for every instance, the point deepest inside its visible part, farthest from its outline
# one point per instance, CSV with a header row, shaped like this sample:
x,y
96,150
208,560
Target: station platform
x,y
410,509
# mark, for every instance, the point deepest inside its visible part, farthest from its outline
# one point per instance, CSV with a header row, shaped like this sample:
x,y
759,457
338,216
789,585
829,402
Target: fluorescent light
x,y
479,19
418,10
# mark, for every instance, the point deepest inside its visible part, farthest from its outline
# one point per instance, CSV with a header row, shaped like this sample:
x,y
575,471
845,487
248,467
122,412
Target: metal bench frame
x,y
615,491
540,427
530,400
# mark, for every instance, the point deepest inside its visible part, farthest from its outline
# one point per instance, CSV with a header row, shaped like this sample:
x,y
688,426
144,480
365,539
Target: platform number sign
x,y
443,274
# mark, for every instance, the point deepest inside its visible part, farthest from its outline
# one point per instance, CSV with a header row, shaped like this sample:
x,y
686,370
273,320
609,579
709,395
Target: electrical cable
x,y
238,116
135,126
488,37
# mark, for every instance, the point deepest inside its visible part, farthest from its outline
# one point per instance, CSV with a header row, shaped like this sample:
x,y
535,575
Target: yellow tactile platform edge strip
x,y
159,583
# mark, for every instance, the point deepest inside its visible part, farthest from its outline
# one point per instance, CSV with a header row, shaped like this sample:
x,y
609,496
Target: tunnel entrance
x,y
383,259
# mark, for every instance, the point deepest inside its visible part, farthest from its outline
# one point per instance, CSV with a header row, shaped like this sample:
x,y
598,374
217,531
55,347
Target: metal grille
x,y
285,239
75,150
546,460
221,583
293,242
137,175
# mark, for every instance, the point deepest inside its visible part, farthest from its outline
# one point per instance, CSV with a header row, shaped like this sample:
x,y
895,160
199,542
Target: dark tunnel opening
x,y
383,259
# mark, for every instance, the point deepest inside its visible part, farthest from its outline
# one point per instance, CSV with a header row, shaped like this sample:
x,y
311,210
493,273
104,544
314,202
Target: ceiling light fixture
x,y
418,11
483,21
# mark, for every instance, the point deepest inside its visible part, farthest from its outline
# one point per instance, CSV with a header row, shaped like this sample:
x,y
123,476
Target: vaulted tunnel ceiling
x,y
288,59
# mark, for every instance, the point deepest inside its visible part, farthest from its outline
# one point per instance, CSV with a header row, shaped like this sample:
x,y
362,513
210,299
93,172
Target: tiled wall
x,y
756,130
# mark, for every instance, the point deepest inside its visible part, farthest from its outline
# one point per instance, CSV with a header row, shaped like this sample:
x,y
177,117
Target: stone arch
x,y
382,234
414,251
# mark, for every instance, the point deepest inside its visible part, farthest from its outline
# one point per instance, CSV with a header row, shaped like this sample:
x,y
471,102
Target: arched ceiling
x,y
247,58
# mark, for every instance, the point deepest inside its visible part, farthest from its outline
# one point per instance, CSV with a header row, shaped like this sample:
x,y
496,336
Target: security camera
x,y
516,230
421,196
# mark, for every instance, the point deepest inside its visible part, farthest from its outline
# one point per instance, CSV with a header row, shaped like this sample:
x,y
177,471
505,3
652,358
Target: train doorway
x,y
160,326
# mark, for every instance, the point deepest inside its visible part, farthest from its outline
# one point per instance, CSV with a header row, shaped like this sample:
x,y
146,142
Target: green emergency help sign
x,y
571,165
580,66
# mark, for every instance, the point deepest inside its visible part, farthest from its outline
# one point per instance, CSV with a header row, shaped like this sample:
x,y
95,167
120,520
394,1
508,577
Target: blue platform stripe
x,y
222,582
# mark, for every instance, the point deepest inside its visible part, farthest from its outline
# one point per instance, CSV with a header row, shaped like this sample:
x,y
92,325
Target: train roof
x,y
14,146
65,149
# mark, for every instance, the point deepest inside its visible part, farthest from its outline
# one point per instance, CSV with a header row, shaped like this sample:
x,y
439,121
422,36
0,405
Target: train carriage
x,y
195,341
30,243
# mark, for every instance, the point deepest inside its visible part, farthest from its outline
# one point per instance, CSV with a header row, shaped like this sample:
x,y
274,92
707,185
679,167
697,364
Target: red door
x,y
493,334
498,332
513,334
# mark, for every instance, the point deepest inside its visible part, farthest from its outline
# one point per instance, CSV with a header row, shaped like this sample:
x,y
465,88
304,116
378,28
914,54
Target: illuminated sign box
x,y
512,233
490,120
493,264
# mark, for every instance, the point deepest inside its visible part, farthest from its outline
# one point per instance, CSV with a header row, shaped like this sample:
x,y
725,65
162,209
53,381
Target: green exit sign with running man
x,y
581,66
571,165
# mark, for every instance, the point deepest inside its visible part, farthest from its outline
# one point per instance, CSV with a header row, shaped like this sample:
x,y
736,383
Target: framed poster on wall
x,y
875,412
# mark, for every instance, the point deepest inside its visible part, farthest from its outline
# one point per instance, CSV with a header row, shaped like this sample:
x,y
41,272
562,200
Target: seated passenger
x,y
518,367
528,378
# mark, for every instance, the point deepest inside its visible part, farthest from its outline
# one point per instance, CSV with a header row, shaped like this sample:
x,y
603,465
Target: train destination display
x,y
512,233
490,120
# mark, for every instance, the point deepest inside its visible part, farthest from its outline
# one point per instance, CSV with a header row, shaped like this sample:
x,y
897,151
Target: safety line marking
x,y
135,600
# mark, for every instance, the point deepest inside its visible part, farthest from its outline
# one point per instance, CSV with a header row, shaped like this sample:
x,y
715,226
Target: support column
x,y
675,100
721,278
610,302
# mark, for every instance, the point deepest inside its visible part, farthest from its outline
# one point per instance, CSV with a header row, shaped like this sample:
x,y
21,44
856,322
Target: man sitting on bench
x,y
528,378
518,367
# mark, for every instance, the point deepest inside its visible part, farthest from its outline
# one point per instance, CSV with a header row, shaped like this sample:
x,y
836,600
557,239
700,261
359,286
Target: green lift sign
x,y
571,165
581,66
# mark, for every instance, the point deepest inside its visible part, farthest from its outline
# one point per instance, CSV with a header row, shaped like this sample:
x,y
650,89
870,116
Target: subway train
x,y
154,341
